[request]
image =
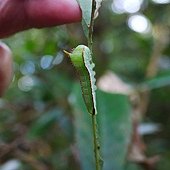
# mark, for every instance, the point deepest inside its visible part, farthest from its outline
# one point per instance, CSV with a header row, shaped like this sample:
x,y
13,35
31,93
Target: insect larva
x,y
82,61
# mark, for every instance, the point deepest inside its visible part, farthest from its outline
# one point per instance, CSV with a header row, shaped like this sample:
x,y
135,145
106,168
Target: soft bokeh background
x,y
42,124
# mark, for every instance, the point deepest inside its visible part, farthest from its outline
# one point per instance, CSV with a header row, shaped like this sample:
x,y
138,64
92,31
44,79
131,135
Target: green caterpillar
x,y
82,61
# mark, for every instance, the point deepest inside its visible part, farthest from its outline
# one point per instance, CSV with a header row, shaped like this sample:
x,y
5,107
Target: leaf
x,y
115,127
86,7
85,28
114,121
43,123
158,81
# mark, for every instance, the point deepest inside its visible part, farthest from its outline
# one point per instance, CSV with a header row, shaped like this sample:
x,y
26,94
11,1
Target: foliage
x,y
42,120
114,126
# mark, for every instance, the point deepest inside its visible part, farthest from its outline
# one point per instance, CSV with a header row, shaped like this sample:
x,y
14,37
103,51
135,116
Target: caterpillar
x,y
81,59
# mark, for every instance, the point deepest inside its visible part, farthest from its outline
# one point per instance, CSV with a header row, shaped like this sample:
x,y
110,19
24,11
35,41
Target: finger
x,y
48,13
19,15
6,70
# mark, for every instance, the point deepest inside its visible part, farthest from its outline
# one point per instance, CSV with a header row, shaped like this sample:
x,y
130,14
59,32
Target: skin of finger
x,y
12,17
19,15
6,69
52,12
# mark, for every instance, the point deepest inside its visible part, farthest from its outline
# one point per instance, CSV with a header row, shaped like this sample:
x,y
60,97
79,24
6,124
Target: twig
x,y
90,37
98,160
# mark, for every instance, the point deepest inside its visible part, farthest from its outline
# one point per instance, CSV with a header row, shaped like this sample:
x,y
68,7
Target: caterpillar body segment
x,y
82,61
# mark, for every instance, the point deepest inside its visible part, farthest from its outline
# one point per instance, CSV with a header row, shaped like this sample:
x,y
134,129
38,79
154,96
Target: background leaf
x,y
114,118
161,80
44,122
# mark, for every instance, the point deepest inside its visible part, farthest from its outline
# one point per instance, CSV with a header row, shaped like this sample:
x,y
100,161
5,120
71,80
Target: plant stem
x,y
90,37
98,160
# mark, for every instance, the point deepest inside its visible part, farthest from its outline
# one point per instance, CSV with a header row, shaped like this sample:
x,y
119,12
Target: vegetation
x,y
44,124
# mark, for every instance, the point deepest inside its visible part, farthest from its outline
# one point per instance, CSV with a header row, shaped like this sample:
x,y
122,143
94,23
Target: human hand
x,y
19,15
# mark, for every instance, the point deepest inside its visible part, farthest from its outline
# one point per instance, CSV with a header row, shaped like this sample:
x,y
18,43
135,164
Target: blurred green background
x,y
43,120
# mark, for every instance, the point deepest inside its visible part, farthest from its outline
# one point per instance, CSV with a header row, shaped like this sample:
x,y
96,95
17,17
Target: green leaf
x,y
83,135
43,123
114,121
86,7
85,28
159,81
115,128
